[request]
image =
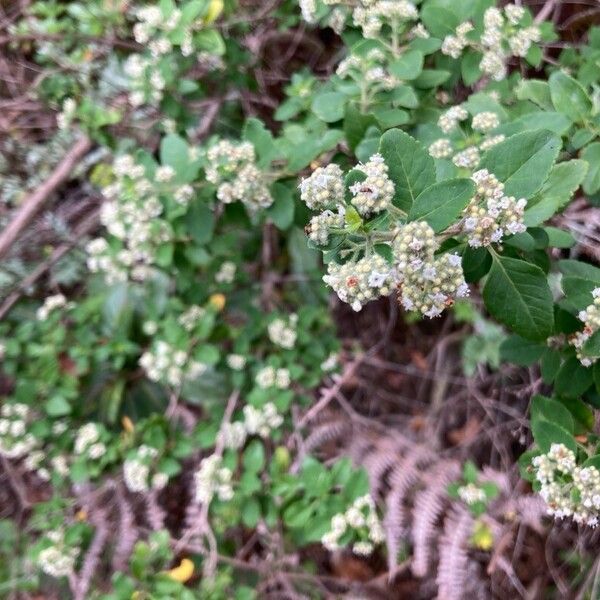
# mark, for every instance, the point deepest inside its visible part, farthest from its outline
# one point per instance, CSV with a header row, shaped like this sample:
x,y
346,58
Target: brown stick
x,y
86,226
34,203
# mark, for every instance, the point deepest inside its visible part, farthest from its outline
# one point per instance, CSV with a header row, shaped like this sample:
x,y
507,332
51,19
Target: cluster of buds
x,y
368,71
191,317
89,441
359,525
282,332
132,214
322,225
271,377
167,364
51,303
504,35
67,114
359,282
232,168
137,469
211,479
161,30
226,272
15,439
429,284
257,421
591,321
491,215
375,193
324,188
471,494
58,559
372,15
465,154
569,490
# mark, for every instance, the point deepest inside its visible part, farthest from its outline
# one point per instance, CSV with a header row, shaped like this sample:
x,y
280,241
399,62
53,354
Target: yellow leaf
x,y
183,572
217,301
482,538
127,424
215,8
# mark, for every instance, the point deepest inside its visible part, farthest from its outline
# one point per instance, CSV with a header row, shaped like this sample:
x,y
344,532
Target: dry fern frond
x,y
454,557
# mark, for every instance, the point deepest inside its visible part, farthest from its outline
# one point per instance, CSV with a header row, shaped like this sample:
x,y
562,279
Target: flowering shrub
x,y
431,163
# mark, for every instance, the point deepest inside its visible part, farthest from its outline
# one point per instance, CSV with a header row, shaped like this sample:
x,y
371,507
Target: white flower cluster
x,y
471,494
451,118
283,332
15,440
137,468
324,188
159,31
226,272
131,213
469,157
321,225
359,282
51,303
591,320
167,364
568,490
362,521
88,442
231,167
429,284
57,560
308,8
370,68
65,117
453,45
372,15
257,421
271,377
212,478
236,361
190,318
500,39
376,192
491,215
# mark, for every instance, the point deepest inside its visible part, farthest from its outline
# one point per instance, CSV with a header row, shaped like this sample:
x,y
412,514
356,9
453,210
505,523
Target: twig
x,y
547,9
86,226
35,201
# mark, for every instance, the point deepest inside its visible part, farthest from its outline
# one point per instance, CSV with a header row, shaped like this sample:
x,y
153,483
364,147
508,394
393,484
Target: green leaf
x,y
573,379
535,91
517,294
569,97
552,411
546,433
520,351
591,155
262,140
442,202
329,107
174,152
57,406
523,161
356,125
431,78
592,346
410,167
556,192
408,66
281,212
200,222
254,456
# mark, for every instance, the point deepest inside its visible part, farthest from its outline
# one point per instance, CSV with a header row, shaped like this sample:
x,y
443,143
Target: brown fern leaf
x,y
155,514
454,558
93,555
128,531
402,479
429,504
332,431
